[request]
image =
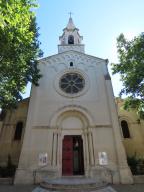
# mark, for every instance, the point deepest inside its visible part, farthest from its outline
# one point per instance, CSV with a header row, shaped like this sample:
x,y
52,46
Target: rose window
x,y
72,83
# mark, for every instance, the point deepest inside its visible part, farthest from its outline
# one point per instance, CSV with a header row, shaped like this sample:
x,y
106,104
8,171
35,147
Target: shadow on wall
x,y
136,165
8,170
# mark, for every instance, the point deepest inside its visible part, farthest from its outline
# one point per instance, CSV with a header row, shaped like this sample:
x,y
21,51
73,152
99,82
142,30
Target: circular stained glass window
x,y
72,83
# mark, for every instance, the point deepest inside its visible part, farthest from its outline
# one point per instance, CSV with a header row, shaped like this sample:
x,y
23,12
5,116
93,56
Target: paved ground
x,y
29,188
16,188
129,188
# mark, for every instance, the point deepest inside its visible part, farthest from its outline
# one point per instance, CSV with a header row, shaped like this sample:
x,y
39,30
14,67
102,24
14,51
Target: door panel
x,y
67,156
72,156
78,165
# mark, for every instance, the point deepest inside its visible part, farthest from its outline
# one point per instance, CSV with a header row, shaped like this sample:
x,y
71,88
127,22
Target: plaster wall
x,y
9,146
135,144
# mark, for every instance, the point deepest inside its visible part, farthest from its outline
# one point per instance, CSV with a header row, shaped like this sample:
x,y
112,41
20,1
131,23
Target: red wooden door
x,y
67,156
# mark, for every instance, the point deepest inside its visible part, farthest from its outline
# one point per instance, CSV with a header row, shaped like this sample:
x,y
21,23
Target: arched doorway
x,y
72,123
72,155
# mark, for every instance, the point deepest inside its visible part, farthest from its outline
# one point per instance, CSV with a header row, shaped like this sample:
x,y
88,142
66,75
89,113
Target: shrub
x,y
136,165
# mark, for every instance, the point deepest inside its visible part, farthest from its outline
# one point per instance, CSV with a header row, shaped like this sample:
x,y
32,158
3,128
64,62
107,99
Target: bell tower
x,y
70,39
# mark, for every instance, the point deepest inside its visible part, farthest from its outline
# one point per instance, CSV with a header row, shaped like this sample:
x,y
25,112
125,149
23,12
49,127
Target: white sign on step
x,y
103,159
43,159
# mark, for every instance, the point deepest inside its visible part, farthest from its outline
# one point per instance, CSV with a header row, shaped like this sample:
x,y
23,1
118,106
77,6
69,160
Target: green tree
x,y
19,50
131,70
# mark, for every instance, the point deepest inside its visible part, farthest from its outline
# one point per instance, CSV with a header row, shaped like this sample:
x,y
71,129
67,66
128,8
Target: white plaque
x,y
43,159
103,159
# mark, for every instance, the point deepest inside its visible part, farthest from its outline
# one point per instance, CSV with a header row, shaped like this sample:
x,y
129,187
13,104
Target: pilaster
x,y
124,171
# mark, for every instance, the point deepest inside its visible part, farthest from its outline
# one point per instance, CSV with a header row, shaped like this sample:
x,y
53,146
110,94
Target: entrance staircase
x,y
73,184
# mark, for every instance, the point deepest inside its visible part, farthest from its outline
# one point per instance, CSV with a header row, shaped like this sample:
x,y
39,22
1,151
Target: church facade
x,y
72,125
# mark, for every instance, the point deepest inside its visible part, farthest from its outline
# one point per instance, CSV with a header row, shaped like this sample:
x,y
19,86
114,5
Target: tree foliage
x,y
131,70
19,49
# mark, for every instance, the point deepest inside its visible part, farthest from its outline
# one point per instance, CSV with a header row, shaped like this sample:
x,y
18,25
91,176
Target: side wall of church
x,y
9,144
134,144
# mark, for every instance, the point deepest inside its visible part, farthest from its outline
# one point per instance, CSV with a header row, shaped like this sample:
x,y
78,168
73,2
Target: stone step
x,y
77,188
72,184
6,181
105,189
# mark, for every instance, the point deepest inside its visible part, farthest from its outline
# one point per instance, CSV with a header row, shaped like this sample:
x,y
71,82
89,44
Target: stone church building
x,y
69,126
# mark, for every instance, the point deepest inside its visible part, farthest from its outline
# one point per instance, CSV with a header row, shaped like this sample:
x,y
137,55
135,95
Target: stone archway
x,y
84,114
74,124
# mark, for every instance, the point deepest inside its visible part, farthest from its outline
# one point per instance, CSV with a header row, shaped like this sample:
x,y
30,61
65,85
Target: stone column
x,y
58,148
90,140
86,152
54,159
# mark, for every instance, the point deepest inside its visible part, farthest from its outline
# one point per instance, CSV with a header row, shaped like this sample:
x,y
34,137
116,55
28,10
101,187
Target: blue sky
x,y
100,22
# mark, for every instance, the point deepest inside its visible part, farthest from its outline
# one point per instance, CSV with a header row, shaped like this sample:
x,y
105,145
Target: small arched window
x,y
125,129
71,64
71,39
18,131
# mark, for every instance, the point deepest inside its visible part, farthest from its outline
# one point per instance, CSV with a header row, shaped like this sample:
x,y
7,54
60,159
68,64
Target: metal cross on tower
x,y
70,13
